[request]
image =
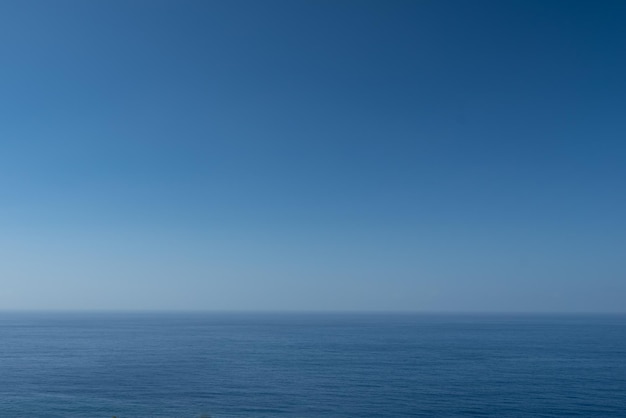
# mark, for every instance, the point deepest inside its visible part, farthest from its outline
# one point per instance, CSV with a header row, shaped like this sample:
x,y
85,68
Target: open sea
x,y
311,365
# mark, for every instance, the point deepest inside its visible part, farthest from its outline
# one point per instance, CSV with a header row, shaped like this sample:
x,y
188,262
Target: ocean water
x,y
311,365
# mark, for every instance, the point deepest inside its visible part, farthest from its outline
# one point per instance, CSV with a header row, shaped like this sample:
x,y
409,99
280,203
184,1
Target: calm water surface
x,y
310,365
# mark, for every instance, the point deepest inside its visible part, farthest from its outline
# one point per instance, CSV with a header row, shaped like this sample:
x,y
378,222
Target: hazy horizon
x,y
454,313
431,156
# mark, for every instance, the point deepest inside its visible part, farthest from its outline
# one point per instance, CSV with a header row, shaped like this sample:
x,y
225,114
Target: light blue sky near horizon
x,y
313,155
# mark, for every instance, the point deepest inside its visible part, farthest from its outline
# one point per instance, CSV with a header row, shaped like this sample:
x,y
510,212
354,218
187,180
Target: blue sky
x,y
316,155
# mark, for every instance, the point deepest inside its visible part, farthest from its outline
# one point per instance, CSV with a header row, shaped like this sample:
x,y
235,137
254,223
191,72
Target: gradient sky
x,y
316,155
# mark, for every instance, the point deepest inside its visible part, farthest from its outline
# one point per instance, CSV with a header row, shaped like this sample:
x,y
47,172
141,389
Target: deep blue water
x,y
310,365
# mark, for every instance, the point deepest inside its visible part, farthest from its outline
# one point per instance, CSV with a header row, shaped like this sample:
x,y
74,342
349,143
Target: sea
x,y
221,365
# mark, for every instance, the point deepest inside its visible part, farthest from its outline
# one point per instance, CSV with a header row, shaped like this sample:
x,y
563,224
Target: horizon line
x,y
304,311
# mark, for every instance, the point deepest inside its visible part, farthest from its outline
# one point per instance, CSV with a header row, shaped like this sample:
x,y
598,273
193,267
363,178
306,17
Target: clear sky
x,y
315,155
